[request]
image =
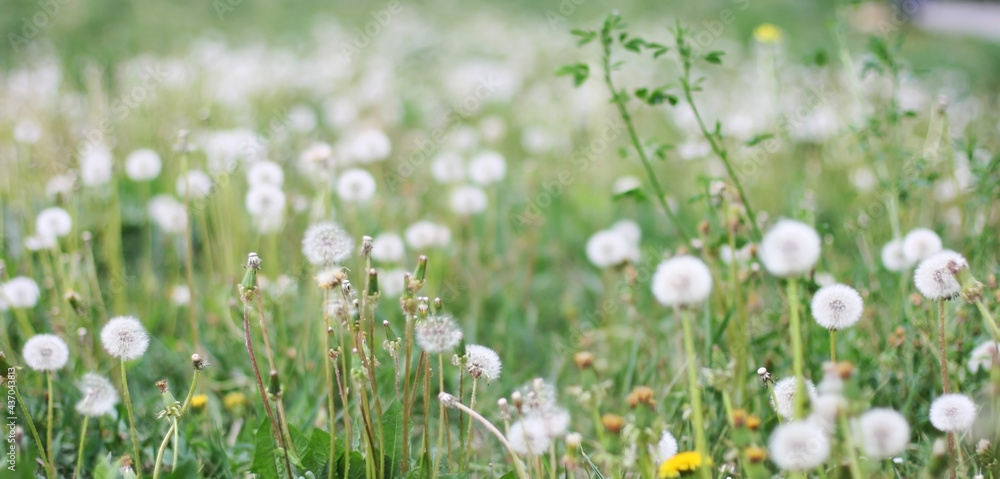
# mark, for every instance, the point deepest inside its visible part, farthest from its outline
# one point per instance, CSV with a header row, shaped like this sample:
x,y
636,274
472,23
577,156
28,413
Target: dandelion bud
x,y
74,300
983,447
765,376
162,385
421,273
753,422
641,395
517,400
199,363
583,359
612,423
372,283
366,246
504,410
438,305
249,283
739,418
274,385
755,454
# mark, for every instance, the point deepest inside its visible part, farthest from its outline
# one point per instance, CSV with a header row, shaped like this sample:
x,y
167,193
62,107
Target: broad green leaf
x,y
392,427
264,452
580,72
315,455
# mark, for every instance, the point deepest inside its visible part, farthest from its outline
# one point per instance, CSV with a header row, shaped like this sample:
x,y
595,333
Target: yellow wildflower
x,y
199,401
234,400
767,33
683,462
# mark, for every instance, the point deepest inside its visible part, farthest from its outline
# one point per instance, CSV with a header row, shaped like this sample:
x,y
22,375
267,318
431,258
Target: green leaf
x,y
820,58
509,475
315,454
264,452
635,193
641,93
579,72
759,138
106,469
714,56
586,36
635,45
392,427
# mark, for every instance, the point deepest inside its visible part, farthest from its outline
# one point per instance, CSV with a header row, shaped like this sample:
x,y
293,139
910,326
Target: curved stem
x,y
451,402
79,451
159,452
137,460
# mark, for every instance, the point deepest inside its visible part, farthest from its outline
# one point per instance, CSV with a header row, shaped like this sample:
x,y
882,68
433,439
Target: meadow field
x,y
573,239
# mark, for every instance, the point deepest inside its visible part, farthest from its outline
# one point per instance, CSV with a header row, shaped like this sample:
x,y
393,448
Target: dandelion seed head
x,y
984,356
626,183
666,448
682,281
798,446
468,200
99,395
21,292
326,243
45,352
448,168
919,244
883,433
367,146
180,295
629,229
953,413
265,173
784,392
893,258
265,200
391,283
95,165
425,234
528,437
53,222
935,276
197,182
388,247
356,186
60,186
837,306
168,213
438,334
790,248
482,362
608,248
487,167
143,165
124,337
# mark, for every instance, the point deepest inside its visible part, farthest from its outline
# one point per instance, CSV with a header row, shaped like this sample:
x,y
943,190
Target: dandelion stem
x,y
988,319
943,361
331,403
441,416
798,360
450,401
137,460
697,415
79,451
160,451
50,471
852,452
833,345
48,421
260,383
468,434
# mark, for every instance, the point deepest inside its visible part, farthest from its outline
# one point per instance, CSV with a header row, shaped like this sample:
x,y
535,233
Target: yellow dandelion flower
x,y
234,400
681,463
199,401
767,33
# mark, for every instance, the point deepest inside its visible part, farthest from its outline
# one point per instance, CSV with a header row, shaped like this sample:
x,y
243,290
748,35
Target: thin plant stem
x,y
161,450
518,465
943,362
988,319
427,408
833,345
137,460
740,337
190,394
260,383
50,471
407,397
189,253
697,415
331,403
348,434
468,434
441,416
797,351
852,452
79,451
48,421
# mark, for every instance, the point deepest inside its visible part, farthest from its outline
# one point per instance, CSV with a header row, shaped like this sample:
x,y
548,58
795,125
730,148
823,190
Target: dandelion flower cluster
x,y
953,413
682,281
883,433
919,244
528,438
935,276
438,334
99,395
326,243
482,361
790,248
837,306
125,338
784,393
45,352
542,420
798,446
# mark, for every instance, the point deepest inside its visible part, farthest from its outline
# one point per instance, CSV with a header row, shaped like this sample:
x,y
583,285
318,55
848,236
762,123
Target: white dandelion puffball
x,y
893,258
798,446
837,307
448,167
356,186
27,131
388,247
368,146
608,248
265,173
99,395
21,292
168,214
784,392
555,421
482,362
39,242
438,334
391,283
143,165
197,182
629,229
326,244
935,276
270,223
425,234
487,167
626,183
53,222
60,185
790,248
682,281
468,200
984,356
528,437
45,352
666,448
95,165
302,118
953,413
919,244
883,433
180,295
265,201
125,338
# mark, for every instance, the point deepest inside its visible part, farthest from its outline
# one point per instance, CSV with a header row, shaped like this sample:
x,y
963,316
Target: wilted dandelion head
x,y
356,186
919,244
265,173
45,352
99,395
953,413
790,248
893,258
326,243
883,433
143,165
837,306
784,393
483,362
195,181
468,200
984,356
608,248
935,276
682,281
666,447
124,337
528,436
799,446
438,334
21,292
53,222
